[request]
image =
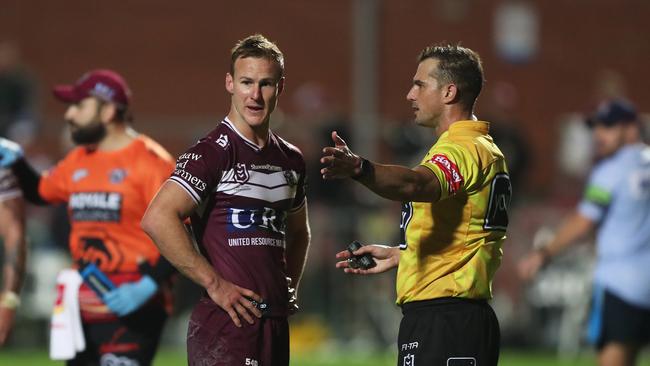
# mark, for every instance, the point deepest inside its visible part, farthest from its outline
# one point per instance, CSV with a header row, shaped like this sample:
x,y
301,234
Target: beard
x,y
90,134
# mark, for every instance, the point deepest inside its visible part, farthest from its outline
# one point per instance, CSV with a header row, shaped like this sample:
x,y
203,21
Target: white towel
x,y
66,332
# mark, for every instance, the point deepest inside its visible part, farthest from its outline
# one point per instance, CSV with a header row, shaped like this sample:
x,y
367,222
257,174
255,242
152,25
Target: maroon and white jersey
x,y
244,194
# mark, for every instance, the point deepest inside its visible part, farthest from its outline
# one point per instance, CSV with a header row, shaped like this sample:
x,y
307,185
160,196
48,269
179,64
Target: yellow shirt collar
x,y
468,127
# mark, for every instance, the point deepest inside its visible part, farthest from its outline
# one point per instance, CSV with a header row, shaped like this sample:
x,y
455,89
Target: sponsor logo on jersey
x,y
79,174
450,170
241,173
96,245
117,175
181,164
222,140
96,206
257,241
267,219
190,179
291,177
273,168
409,346
190,156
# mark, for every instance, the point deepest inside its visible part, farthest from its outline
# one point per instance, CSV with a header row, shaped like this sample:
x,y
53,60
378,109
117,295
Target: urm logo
x,y
255,219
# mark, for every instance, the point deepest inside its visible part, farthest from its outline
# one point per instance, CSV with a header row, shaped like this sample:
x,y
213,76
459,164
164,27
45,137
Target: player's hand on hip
x,y
529,266
386,258
10,152
339,162
236,301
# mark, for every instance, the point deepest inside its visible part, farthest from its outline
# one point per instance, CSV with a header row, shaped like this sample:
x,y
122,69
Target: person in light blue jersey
x,y
616,204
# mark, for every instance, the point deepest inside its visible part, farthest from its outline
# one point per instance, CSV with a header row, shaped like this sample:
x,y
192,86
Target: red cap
x,y
106,85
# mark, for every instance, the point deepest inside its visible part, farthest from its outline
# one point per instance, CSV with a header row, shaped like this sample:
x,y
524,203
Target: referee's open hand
x,y
339,161
385,256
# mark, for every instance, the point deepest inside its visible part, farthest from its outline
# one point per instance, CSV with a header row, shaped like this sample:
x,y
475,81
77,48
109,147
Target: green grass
x,y
170,357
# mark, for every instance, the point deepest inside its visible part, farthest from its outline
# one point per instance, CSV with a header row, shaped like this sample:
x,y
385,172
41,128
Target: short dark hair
x,y
460,66
256,46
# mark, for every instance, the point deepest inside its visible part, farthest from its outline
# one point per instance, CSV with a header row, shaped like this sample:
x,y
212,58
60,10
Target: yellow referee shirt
x,y
453,247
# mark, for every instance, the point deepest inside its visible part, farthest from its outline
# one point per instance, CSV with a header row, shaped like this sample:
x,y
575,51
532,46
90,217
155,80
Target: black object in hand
x,y
363,261
262,306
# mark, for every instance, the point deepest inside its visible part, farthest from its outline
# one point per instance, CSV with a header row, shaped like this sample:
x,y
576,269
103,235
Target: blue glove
x,y
9,152
130,296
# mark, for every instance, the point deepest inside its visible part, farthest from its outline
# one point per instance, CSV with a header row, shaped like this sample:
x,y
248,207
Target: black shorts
x,y
214,340
448,332
131,340
616,320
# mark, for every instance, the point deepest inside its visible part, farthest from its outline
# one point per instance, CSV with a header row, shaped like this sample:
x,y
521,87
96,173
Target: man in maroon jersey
x,y
244,188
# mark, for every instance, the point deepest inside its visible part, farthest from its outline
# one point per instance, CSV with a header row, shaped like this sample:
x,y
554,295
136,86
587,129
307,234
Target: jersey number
x,y
407,214
496,217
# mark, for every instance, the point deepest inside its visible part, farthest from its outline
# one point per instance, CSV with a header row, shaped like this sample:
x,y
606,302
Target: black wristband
x,y
366,169
28,180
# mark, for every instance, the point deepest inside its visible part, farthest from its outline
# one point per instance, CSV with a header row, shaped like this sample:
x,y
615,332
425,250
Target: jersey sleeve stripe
x,y
598,195
195,196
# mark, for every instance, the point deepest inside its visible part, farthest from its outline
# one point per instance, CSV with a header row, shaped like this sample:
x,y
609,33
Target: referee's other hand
x,y
385,256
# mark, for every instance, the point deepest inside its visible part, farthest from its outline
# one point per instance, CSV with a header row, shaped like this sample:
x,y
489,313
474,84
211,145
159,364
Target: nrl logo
x,y
117,175
241,173
409,360
291,177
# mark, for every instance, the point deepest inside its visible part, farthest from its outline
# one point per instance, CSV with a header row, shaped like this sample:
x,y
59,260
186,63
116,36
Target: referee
x,y
454,217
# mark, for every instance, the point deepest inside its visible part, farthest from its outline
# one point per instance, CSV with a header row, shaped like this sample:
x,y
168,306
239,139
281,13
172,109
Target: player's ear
x,y
230,83
281,85
108,112
450,93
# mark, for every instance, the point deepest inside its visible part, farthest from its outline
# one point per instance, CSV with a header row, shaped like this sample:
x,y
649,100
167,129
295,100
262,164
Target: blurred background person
x,y
107,183
17,96
12,233
615,204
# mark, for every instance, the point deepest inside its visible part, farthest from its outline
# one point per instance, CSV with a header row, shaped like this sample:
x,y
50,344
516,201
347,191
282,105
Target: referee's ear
x,y
450,94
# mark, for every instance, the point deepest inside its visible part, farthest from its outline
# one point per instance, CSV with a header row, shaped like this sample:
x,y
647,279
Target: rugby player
x,y
244,188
